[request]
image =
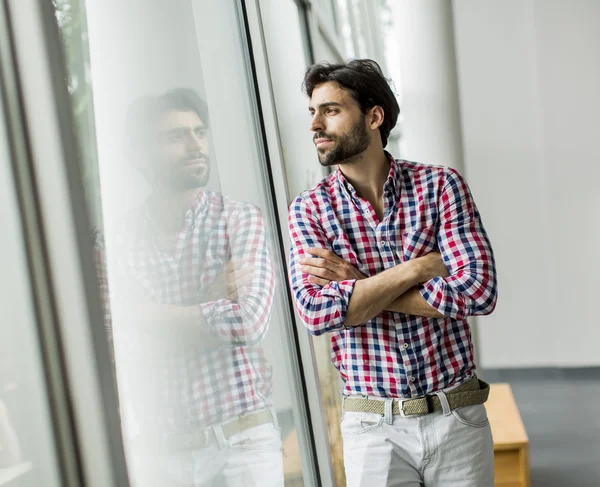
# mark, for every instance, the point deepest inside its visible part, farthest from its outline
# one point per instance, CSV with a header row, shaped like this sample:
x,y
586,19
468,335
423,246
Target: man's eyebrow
x,y
327,104
181,130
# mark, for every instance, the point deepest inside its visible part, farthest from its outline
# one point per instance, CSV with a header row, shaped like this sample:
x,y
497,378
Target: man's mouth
x,y
321,142
198,162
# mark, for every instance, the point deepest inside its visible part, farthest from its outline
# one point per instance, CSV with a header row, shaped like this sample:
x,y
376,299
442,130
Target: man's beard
x,y
183,177
346,147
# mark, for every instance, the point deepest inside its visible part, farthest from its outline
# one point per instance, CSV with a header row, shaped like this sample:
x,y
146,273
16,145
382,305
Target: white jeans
x,y
454,449
251,458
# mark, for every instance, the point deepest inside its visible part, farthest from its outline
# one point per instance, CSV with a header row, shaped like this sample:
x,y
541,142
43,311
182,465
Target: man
x,y
390,258
191,299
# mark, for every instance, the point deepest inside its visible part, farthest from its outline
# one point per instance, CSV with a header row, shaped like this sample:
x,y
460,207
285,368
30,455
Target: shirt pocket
x,y
418,242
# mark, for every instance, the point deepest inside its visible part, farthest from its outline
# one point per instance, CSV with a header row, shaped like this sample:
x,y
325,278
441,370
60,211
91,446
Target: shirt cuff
x,y
341,292
438,295
209,312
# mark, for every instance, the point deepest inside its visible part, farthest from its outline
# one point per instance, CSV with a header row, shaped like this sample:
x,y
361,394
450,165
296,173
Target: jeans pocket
x,y
355,424
266,437
474,416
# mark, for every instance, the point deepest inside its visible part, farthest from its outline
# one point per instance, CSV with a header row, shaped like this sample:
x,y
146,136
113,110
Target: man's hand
x,y
325,266
231,282
431,265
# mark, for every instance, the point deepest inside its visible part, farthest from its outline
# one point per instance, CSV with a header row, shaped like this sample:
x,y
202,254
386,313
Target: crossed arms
x,y
456,282
391,290
235,308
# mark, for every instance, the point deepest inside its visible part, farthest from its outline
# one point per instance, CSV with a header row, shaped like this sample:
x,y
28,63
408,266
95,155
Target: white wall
x,y
529,73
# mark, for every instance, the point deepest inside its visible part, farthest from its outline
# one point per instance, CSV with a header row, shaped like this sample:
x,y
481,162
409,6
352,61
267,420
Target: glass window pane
x,y
27,450
186,247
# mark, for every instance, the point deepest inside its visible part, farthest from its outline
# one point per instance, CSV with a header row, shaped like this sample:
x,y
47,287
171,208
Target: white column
x,y
430,107
430,110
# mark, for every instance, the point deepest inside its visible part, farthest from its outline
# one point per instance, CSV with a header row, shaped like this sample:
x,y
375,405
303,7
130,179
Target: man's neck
x,y
368,175
168,207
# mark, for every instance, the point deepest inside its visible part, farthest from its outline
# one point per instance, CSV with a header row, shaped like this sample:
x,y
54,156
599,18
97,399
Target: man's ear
x,y
375,117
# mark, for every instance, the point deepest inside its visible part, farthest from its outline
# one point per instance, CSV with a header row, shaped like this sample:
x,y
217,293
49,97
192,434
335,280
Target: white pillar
x,y
431,125
430,107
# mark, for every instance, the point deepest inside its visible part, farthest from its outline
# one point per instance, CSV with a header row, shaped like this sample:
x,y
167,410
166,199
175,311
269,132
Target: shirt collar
x,y
391,186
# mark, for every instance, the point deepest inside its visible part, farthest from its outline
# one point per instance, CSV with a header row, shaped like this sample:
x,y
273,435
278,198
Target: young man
x,y
390,257
191,300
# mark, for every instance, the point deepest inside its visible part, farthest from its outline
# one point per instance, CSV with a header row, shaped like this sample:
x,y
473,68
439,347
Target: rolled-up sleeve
x,y
246,319
321,309
471,288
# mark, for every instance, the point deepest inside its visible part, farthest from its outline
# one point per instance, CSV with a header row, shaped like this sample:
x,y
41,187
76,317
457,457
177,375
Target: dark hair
x,y
185,100
144,111
366,83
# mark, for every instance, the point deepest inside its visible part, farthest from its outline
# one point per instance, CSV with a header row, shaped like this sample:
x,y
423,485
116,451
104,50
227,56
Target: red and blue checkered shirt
x,y
426,208
182,387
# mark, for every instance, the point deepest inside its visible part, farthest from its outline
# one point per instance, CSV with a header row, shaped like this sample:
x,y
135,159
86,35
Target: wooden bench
x,y
511,445
292,465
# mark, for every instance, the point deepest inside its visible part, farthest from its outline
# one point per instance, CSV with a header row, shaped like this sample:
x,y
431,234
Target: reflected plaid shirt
x,y
182,387
426,208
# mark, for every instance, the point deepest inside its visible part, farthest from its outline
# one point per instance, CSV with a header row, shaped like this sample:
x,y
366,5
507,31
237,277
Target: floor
x,y
561,412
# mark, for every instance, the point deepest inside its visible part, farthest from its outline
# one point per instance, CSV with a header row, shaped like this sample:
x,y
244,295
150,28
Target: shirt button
x,y
405,346
412,379
383,243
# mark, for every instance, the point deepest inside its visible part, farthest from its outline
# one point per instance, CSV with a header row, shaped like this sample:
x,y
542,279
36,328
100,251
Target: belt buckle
x,y
401,402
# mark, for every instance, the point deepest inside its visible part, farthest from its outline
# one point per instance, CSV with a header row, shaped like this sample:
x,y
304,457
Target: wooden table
x,y
511,444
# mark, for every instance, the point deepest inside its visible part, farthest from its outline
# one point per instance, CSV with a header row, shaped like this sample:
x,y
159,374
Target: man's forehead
x,y
329,92
174,119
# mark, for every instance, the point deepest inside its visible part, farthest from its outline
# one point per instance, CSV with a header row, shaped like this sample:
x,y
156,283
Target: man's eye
x,y
332,111
200,133
175,137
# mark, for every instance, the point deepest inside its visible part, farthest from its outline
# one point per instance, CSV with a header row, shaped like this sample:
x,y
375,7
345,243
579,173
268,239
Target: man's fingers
x,y
319,262
318,281
238,273
238,284
324,253
319,272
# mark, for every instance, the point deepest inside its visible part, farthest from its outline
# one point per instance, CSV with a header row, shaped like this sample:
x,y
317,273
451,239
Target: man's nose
x,y
316,123
194,142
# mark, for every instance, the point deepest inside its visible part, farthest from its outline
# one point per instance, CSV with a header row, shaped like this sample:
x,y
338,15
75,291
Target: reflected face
x,y
181,156
340,130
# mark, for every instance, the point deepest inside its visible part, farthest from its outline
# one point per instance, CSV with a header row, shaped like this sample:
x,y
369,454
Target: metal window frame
x,y
308,406
55,220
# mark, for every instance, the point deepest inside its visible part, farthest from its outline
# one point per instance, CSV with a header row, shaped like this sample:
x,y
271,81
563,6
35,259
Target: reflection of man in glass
x,y
190,304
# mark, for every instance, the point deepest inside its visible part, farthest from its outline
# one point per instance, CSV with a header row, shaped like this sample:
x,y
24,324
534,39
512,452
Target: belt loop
x,y
444,400
389,418
220,436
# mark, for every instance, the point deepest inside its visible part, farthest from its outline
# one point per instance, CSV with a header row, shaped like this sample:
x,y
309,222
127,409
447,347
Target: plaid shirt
x,y
178,385
426,208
